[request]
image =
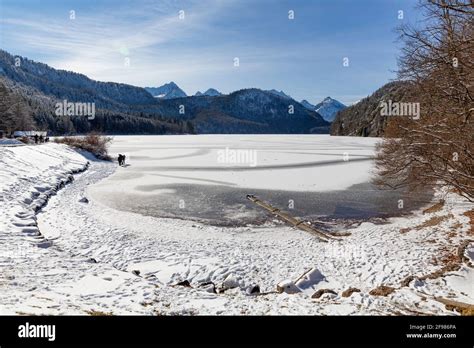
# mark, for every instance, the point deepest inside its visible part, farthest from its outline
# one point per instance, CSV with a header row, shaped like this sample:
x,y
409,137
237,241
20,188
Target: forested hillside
x,y
364,118
126,109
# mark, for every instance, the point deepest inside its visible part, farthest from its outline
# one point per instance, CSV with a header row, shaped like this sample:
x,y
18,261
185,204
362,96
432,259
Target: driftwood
x,y
303,275
463,308
301,224
349,292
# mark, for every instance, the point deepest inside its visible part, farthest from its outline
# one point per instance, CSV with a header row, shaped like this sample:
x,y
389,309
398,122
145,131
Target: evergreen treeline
x,y
24,109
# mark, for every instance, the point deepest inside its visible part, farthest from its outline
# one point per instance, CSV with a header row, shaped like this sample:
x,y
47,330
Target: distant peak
x,y
211,92
328,108
279,93
167,91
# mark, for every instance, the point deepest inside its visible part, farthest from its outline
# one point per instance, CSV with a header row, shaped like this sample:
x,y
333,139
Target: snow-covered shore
x,y
78,256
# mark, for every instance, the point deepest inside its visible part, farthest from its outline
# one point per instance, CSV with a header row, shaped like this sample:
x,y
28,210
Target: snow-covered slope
x,y
280,93
167,91
308,105
39,272
328,108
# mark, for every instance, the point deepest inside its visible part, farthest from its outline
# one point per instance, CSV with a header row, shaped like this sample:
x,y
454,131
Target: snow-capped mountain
x,y
328,108
308,105
211,92
134,110
167,91
246,111
279,93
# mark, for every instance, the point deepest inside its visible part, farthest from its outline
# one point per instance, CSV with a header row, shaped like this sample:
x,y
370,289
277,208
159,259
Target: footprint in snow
x,y
45,244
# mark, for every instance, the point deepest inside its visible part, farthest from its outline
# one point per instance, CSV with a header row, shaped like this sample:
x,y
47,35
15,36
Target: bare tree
x,y
438,60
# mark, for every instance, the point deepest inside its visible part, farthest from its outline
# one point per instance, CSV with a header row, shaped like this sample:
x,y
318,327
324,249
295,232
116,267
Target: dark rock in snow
x,y
184,283
209,287
253,289
321,292
45,244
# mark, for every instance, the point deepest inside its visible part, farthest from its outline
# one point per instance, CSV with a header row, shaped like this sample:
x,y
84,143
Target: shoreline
x,y
97,252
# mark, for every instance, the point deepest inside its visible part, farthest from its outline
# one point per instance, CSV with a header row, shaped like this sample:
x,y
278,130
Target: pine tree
x,y
15,113
6,114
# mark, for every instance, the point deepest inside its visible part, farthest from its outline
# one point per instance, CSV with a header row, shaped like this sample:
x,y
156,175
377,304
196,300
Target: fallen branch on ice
x,y
301,224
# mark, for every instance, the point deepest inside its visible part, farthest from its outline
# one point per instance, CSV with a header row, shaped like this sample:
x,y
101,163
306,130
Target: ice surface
x,y
309,175
290,162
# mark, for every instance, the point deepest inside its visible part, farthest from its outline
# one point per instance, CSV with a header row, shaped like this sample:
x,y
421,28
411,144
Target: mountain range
x,y
328,108
249,110
127,109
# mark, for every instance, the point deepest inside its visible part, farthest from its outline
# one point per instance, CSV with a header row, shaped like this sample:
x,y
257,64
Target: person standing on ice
x,y
121,160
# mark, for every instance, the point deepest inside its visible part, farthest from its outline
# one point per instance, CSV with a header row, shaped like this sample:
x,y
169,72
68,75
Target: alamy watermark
x,y
66,108
391,108
237,156
28,330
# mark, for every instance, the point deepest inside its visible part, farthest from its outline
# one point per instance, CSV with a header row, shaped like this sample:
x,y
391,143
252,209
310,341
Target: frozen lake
x,y
207,178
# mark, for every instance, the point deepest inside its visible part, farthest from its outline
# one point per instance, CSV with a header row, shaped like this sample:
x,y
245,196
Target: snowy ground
x,y
78,256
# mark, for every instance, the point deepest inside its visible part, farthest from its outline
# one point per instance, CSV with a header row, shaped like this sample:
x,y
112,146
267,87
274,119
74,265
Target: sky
x,y
195,43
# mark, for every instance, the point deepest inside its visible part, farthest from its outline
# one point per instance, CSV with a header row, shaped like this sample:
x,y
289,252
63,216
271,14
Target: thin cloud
x,y
302,58
97,45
